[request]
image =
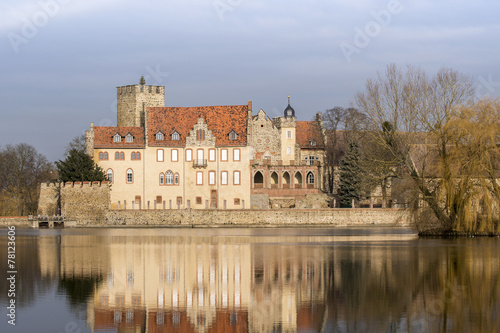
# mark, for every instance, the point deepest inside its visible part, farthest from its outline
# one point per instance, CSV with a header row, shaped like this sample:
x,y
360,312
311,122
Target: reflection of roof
x,y
219,119
308,133
104,137
178,321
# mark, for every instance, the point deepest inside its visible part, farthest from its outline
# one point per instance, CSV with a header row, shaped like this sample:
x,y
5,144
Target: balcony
x,y
199,163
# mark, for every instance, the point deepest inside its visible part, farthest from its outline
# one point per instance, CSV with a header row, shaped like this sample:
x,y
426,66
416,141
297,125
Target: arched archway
x,y
274,180
297,183
258,180
286,179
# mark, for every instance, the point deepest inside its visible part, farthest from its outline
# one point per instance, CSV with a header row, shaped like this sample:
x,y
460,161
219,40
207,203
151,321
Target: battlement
x,y
132,101
73,185
140,88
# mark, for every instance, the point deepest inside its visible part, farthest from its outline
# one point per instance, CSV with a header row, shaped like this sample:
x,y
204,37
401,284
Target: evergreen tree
x,y
350,176
78,166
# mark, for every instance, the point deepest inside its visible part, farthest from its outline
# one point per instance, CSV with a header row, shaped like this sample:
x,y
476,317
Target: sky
x,y
63,59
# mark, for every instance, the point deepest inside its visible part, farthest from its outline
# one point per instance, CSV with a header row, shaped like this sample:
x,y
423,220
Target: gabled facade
x,y
203,157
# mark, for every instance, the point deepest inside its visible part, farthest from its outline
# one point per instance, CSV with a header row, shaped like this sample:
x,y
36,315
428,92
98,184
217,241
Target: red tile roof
x,y
307,131
104,137
221,120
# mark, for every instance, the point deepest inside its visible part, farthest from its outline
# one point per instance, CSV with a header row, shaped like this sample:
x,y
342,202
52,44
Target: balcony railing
x,y
199,163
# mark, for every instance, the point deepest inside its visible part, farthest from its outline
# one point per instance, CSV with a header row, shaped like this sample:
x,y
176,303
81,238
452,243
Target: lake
x,y
248,280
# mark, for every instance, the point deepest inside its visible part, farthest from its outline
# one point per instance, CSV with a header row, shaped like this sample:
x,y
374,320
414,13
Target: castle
x,y
205,157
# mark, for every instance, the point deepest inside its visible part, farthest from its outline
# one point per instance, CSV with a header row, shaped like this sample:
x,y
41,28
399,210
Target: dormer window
x,y
176,136
117,138
129,138
159,136
313,143
233,135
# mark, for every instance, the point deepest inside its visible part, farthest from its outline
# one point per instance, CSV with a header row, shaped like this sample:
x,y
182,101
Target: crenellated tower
x,y
132,101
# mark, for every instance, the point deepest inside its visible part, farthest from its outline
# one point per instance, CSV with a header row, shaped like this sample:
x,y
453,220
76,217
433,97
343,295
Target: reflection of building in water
x,y
188,284
194,284
288,285
184,286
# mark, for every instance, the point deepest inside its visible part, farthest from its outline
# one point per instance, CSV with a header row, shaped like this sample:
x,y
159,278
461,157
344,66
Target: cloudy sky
x,y
63,59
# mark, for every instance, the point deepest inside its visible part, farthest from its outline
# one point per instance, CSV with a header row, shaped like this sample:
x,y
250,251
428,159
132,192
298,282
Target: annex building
x,y
204,157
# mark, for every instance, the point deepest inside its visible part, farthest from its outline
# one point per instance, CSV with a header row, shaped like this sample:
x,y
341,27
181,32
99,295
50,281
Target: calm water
x,y
251,280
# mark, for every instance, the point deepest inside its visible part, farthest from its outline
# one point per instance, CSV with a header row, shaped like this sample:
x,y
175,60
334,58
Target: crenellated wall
x,y
87,201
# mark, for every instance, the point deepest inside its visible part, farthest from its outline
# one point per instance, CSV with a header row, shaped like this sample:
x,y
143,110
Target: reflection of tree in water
x,y
445,287
30,284
78,289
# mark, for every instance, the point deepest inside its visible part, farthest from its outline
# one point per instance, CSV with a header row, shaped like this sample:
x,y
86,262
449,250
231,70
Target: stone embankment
x,y
255,218
17,221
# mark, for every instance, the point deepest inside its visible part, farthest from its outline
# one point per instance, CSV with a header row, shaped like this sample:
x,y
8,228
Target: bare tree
x,y
22,169
78,142
422,112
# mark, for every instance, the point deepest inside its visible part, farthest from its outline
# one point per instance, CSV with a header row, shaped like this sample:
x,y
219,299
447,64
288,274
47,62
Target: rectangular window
x,y
289,150
198,200
199,178
159,155
236,154
223,155
211,155
189,155
289,134
174,155
236,178
211,178
223,177
200,157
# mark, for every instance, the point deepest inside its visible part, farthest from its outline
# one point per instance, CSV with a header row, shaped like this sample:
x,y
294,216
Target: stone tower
x,y
133,100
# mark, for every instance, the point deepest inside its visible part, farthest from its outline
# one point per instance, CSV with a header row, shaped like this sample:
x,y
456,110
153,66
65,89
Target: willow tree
x,y
426,141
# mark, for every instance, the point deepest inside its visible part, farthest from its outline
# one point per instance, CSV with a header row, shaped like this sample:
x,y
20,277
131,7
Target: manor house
x,y
222,156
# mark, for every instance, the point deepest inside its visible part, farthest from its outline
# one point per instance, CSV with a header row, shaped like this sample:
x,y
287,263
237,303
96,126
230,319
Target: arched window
x,y
274,178
137,156
169,178
109,175
101,156
130,176
133,156
105,155
310,178
162,178
176,179
122,156
117,156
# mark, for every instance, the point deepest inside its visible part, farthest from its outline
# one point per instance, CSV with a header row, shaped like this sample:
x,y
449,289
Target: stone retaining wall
x,y
18,221
282,217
